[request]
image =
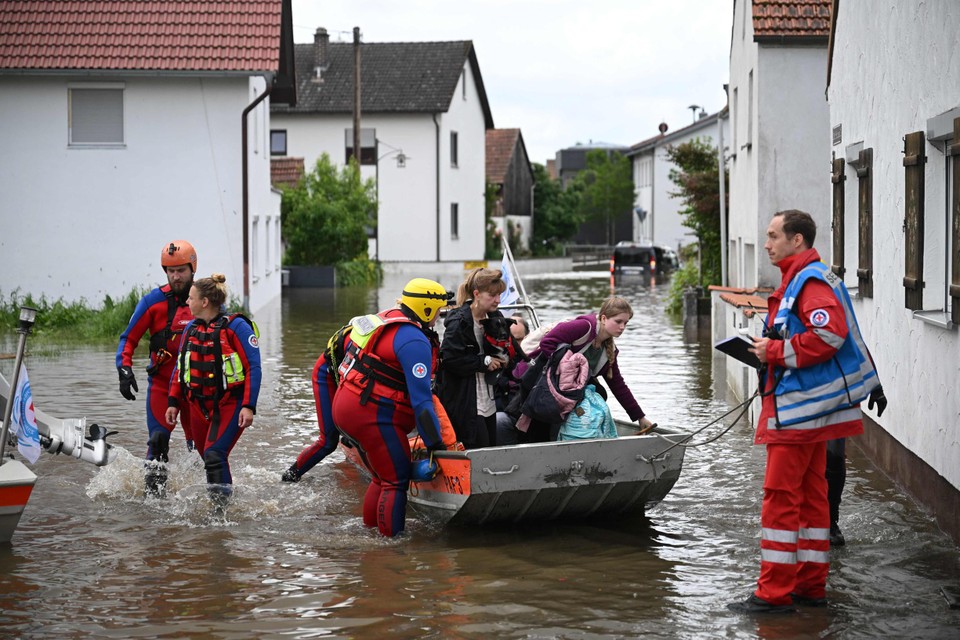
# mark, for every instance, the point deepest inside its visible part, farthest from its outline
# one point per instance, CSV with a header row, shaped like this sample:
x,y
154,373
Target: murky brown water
x,y
92,557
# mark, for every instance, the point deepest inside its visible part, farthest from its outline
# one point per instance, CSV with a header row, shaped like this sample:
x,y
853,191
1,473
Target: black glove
x,y
436,447
127,380
877,397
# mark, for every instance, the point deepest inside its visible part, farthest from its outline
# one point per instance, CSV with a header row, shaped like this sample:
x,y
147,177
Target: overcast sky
x,y
563,71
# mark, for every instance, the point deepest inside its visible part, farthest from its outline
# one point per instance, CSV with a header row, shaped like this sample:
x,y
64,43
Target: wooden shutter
x,y
954,152
914,161
838,179
865,213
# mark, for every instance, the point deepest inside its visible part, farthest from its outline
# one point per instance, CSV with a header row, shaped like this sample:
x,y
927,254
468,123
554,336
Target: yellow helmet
x,y
424,298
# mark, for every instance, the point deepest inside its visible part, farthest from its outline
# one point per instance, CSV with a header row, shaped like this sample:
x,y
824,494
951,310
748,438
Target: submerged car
x,y
646,259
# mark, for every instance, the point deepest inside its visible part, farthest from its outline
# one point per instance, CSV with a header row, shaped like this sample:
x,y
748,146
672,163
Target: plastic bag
x,y
590,419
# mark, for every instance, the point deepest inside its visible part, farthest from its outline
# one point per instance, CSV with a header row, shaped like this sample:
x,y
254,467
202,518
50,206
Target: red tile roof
x,y
501,144
791,19
177,35
286,171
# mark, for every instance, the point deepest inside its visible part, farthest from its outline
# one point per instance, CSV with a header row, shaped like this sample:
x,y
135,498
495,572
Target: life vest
x,y
364,368
160,352
825,393
208,364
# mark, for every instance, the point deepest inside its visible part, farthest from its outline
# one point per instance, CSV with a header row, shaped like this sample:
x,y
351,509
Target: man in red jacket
x,y
817,371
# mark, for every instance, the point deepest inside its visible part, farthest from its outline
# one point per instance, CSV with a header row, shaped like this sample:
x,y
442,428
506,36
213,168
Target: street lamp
x,y
27,317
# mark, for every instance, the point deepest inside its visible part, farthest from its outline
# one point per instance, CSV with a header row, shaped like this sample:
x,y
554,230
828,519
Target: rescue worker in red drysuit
x,y
324,388
164,313
817,371
218,376
385,392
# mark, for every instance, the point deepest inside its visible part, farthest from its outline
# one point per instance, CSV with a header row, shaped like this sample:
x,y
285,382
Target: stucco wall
x,y
87,223
895,65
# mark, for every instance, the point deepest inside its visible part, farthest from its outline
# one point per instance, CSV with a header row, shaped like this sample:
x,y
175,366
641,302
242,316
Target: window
x,y
935,243
453,149
463,82
368,145
95,116
255,248
278,142
454,220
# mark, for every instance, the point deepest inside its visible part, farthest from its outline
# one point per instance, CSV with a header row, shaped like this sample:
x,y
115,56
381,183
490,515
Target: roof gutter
x,y
268,77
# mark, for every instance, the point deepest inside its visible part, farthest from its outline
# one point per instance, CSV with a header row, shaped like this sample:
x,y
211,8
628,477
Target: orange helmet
x,y
177,253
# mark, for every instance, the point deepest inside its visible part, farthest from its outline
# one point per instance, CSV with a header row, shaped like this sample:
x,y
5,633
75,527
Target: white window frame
x,y
73,106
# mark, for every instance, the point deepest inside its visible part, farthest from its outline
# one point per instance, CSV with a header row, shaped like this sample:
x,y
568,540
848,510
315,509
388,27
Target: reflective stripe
x,y
812,555
829,337
780,535
815,533
847,415
789,354
778,557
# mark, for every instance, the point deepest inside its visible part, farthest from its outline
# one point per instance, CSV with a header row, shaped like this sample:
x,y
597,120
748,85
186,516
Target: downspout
x,y
437,125
723,203
268,77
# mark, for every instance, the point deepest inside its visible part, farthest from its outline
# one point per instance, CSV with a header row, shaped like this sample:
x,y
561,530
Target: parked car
x,y
647,259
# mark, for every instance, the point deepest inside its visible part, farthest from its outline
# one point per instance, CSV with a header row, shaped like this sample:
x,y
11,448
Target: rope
x,y
743,406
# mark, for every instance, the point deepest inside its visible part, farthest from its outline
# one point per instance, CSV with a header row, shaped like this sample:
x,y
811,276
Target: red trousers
x,y
379,428
795,542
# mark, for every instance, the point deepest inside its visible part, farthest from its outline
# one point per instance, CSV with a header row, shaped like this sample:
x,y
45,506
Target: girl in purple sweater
x,y
593,336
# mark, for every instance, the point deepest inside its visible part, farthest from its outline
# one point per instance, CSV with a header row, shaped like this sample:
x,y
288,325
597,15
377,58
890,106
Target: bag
x,y
590,419
541,404
531,342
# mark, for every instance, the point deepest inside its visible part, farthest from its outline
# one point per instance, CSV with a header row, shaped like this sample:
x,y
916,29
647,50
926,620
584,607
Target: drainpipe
x,y
437,125
268,77
723,204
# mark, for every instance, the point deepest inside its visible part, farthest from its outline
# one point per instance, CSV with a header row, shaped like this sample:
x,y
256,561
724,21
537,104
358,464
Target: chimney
x,y
321,42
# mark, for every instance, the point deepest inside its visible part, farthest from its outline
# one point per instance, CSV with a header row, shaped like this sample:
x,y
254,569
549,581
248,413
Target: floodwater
x,y
93,557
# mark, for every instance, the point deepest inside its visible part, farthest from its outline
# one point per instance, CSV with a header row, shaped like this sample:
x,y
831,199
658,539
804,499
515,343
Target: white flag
x,y
510,295
24,420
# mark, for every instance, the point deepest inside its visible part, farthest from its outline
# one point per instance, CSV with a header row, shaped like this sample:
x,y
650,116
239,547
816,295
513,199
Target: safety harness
x,y
159,340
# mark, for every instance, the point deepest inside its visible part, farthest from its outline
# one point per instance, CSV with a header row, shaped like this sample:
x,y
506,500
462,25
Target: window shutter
x,y
838,179
954,152
914,161
865,212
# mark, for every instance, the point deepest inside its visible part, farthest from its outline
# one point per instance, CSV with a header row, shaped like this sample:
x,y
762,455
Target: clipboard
x,y
739,348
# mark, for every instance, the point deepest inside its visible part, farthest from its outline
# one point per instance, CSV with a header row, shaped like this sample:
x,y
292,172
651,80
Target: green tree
x,y
325,218
607,188
556,216
697,179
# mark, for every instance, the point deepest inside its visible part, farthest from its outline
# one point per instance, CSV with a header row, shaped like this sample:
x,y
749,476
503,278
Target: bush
x,y
687,276
62,321
361,271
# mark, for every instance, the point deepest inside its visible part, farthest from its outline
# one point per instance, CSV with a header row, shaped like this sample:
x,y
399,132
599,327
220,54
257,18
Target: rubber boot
x,y
155,479
292,474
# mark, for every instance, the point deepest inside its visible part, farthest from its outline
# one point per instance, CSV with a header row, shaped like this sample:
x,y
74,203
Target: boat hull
x,y
16,484
551,480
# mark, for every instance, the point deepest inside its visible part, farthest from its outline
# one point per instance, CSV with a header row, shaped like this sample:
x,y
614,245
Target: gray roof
x,y
396,77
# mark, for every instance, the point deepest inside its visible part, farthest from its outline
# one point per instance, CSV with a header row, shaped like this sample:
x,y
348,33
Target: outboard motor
x,y
68,438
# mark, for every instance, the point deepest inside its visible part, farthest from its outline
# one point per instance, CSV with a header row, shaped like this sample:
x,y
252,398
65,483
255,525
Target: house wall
x,y
667,223
793,145
878,93
407,228
464,183
87,223
743,214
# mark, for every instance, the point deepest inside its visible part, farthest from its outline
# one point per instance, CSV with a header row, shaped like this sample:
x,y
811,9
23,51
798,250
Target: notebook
x,y
739,348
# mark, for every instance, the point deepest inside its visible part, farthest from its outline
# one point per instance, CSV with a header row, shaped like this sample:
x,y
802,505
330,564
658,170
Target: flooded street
x,y
93,557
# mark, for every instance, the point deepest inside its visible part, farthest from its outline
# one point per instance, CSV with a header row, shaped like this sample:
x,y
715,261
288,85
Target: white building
x,y
122,132
424,116
779,126
894,99
658,218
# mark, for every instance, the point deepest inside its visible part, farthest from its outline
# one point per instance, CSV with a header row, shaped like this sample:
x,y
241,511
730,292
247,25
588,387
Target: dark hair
x,y
796,221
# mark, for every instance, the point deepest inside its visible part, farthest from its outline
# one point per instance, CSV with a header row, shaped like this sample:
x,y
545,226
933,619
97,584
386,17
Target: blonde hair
x,y
481,279
213,289
612,306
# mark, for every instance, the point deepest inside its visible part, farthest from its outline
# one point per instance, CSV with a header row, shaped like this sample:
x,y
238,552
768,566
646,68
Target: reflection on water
x,y
93,557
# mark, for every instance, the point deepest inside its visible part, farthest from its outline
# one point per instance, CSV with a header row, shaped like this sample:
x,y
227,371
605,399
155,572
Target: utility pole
x,y
356,95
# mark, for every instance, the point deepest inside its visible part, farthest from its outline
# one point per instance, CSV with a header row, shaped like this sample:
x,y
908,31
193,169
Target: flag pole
x,y
516,278
27,317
